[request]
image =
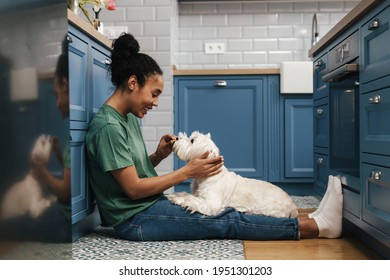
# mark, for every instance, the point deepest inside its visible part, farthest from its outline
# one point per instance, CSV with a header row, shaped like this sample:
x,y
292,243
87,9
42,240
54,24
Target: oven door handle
x,y
341,73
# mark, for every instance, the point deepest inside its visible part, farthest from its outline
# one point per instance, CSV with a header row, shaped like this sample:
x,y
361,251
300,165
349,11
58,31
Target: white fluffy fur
x,y
212,195
27,196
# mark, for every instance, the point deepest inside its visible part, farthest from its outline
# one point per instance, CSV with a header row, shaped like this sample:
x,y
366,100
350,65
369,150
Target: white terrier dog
x,y
212,195
27,196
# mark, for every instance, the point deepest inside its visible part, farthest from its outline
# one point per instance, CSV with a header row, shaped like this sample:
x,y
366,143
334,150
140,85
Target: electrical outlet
x,y
113,32
214,48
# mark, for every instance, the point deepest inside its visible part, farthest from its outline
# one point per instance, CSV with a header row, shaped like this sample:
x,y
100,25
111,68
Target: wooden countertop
x,y
251,71
88,28
349,19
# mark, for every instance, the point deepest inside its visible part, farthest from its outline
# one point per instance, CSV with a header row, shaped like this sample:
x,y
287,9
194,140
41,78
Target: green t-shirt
x,y
113,142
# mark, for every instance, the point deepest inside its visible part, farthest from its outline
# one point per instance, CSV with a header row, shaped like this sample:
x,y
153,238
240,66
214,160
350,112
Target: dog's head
x,y
187,148
42,148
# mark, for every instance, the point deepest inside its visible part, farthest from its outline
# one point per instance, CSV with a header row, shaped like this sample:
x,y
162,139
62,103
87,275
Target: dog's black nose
x,y
177,138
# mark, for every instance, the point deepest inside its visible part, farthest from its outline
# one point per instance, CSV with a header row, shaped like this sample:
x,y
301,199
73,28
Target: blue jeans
x,y
166,221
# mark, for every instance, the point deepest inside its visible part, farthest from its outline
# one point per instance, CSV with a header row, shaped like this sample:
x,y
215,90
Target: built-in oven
x,y
343,78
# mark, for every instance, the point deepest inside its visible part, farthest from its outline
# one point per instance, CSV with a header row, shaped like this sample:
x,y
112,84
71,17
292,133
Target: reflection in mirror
x,y
34,147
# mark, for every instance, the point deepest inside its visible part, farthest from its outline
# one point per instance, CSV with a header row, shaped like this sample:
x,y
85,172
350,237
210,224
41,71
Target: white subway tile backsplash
x,y
255,32
240,20
141,14
280,31
265,44
229,32
240,45
290,18
265,19
214,20
204,33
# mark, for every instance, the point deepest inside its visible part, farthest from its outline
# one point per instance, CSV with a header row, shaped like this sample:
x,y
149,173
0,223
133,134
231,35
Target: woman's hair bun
x,y
125,45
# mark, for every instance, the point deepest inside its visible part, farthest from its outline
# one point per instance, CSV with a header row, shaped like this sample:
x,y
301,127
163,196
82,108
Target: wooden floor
x,y
348,247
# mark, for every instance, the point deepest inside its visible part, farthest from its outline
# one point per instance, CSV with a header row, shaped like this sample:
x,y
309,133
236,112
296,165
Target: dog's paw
x,y
178,198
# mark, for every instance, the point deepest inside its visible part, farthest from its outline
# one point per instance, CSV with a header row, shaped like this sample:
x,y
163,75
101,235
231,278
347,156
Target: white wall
x,y
256,35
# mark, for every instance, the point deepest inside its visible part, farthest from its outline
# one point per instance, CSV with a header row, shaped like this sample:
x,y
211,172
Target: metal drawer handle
x,y
320,161
319,63
220,83
107,61
374,24
376,174
319,112
375,99
69,39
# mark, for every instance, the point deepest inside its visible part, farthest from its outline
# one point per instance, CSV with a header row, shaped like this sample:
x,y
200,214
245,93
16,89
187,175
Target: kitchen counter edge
x,y
88,29
350,18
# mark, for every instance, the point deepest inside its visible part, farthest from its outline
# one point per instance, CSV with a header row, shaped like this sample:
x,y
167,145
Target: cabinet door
x,y
376,206
321,171
231,109
82,201
321,123
101,85
375,44
78,77
298,145
375,129
321,88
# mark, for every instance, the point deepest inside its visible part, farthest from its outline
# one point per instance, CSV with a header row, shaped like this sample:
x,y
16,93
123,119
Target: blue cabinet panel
x,y
298,138
376,206
321,123
376,52
101,90
232,114
78,65
81,196
320,88
321,171
375,116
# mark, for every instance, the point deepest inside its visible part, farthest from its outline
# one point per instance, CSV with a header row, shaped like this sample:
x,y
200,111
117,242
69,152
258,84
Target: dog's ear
x,y
208,135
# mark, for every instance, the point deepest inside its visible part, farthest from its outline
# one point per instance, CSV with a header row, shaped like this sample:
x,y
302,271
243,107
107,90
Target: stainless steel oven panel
x,y
344,53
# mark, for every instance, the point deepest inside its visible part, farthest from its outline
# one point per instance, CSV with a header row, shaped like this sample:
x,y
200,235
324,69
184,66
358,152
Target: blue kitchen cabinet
x,y
320,116
298,138
90,86
260,133
366,209
78,49
231,109
375,62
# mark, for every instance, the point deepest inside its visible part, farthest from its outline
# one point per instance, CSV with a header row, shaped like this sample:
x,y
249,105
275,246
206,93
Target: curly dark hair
x,y
126,60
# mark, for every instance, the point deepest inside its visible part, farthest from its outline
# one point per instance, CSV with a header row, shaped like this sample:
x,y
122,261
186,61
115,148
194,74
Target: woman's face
x,y
141,100
61,88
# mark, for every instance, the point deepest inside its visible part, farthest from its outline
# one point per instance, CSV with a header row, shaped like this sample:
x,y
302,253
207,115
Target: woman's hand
x,y
164,149
204,167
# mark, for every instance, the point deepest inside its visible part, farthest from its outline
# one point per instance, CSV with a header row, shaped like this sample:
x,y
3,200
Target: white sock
x,y
329,189
329,219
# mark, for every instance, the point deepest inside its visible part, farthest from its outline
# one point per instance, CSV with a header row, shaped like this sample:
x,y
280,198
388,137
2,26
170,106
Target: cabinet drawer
x,y
321,170
321,88
376,206
375,129
375,61
321,124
